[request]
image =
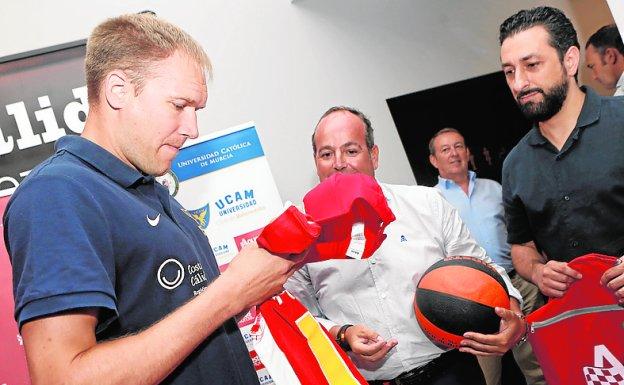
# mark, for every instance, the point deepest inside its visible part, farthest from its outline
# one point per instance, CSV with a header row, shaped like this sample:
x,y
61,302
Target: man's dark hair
x,y
559,27
370,140
606,37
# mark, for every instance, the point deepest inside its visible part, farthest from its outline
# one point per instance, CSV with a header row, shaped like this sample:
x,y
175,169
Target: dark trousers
x,y
451,368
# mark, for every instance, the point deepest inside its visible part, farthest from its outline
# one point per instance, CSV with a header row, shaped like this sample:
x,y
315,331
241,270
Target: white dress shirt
x,y
379,291
619,87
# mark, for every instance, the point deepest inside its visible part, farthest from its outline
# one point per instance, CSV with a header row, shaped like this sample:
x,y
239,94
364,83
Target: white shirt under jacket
x,y
379,291
619,87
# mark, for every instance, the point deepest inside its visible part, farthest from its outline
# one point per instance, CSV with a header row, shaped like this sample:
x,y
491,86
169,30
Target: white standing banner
x,y
224,181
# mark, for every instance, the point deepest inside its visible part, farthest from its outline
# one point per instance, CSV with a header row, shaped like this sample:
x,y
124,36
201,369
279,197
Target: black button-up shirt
x,y
570,202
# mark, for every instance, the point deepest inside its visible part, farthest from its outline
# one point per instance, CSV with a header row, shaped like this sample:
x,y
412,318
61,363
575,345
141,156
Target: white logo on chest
x,y
153,222
176,270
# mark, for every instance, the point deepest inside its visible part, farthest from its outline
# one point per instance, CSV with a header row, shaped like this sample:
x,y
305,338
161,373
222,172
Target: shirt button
x,y
383,295
575,244
566,198
372,261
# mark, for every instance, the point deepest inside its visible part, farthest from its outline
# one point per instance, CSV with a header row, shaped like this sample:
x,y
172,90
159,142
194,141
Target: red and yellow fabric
x,y
296,349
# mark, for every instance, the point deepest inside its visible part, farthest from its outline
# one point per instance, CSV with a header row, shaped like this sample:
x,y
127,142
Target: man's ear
x,y
375,156
433,161
610,55
571,60
117,89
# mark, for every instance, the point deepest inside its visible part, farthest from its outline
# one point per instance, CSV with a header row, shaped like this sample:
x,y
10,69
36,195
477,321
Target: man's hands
x,y
512,328
259,274
614,280
366,343
554,278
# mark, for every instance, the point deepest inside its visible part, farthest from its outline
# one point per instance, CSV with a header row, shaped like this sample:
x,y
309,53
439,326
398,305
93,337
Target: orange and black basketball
x,y
456,295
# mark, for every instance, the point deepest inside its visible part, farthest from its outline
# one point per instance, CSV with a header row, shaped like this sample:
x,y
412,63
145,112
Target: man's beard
x,y
546,109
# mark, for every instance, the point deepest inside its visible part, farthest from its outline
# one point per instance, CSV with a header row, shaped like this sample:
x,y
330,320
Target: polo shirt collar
x,y
101,159
590,113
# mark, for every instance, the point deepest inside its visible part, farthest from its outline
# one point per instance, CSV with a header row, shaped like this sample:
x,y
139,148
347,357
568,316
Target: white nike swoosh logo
x,y
153,222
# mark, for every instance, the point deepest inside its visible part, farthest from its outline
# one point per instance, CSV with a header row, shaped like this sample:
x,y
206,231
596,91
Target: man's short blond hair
x,y
134,44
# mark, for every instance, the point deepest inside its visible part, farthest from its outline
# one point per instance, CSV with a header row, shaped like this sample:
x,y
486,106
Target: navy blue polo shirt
x,y
84,230
570,202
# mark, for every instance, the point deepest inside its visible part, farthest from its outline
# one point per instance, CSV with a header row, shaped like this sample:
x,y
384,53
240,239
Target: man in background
x,y
604,56
480,206
114,282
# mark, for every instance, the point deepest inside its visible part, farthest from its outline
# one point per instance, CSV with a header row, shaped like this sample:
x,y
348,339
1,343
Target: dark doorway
x,y
481,108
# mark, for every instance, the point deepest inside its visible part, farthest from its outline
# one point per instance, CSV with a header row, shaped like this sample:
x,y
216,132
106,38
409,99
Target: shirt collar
x,y
447,183
100,159
590,113
620,82
535,137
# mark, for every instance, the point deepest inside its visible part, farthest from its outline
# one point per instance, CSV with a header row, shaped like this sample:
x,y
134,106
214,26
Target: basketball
x,y
457,295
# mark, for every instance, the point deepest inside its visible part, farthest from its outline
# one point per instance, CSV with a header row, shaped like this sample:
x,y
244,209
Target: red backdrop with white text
x,y
13,369
42,97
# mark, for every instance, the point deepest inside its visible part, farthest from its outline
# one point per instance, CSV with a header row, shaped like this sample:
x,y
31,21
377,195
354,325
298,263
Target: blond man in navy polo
x,y
114,283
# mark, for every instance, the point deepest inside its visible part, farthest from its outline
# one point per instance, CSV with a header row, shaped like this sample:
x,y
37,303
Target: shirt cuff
x,y
513,292
327,324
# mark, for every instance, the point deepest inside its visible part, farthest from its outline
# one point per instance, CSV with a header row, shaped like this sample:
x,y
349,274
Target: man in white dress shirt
x,y
367,305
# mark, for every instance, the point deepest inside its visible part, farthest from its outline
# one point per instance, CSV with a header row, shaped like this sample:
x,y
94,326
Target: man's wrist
x,y
525,330
536,272
341,339
226,283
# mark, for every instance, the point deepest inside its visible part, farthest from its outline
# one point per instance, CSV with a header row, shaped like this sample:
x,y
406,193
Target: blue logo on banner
x,y
218,153
201,216
235,201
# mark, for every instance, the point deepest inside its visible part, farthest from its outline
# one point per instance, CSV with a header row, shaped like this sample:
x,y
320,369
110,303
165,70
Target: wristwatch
x,y
340,338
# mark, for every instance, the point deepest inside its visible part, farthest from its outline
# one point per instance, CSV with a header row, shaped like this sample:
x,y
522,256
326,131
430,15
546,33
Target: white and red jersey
x,y
579,338
296,349
291,344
